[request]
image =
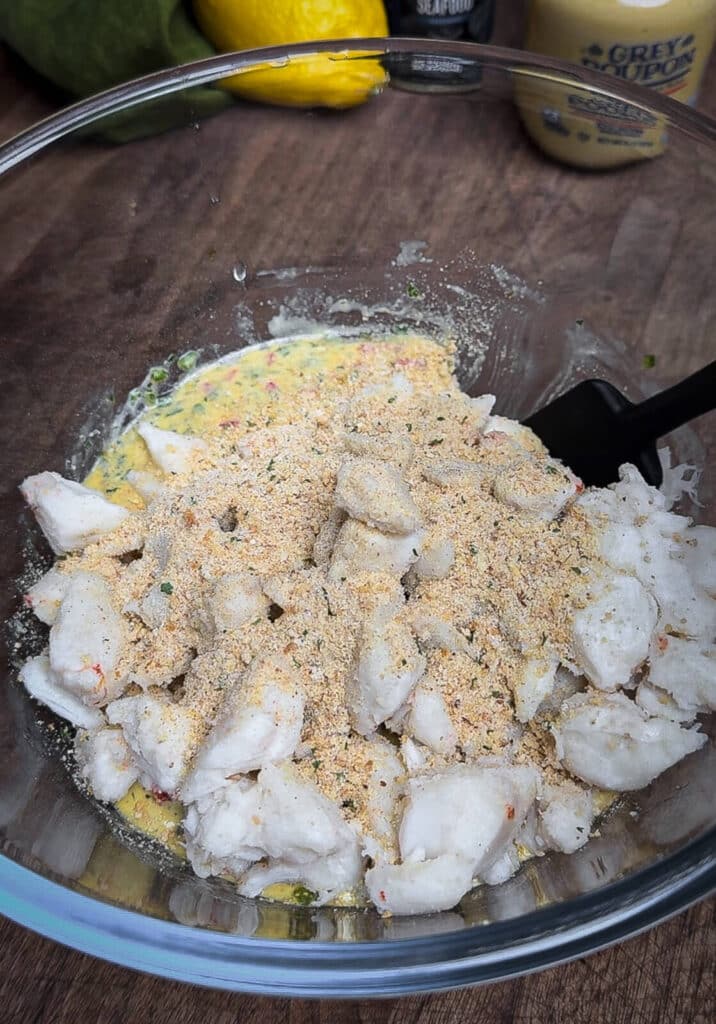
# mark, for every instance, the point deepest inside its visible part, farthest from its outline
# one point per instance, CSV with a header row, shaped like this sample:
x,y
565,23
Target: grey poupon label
x,y
658,65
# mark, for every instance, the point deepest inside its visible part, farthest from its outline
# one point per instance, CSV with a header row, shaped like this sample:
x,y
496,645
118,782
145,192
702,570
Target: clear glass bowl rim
x,y
473,955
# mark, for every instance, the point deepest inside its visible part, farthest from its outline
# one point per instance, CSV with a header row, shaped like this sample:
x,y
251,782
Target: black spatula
x,y
593,428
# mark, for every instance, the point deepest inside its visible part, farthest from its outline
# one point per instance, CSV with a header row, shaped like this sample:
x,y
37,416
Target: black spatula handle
x,y
671,408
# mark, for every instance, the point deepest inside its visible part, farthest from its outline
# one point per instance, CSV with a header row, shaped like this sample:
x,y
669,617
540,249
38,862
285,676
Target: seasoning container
x,y
661,44
442,19
470,20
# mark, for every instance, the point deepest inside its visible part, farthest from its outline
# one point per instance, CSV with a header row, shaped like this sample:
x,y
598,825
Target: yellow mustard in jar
x,y
663,45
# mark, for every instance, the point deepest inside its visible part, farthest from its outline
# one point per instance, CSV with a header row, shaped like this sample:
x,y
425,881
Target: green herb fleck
x,y
349,804
409,427
167,588
435,442
391,399
575,568
413,290
188,360
497,694
158,374
552,470
270,466
649,361
473,549
303,896
316,764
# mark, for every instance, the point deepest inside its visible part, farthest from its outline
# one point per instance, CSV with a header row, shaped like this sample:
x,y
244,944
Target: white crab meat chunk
x,y
611,635
162,735
479,410
684,607
70,515
503,868
106,762
46,596
538,488
220,830
624,547
428,720
414,754
636,497
685,669
436,558
699,554
42,683
608,741
236,600
171,452
533,683
385,784
566,813
420,887
147,485
86,640
457,825
472,811
660,704
388,666
259,723
361,548
524,437
282,818
395,448
376,494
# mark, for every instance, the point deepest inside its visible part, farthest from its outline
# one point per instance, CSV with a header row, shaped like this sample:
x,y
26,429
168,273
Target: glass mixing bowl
x,y
426,207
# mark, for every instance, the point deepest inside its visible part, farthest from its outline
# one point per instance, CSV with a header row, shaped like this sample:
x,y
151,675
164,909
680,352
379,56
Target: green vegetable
x,y
649,361
158,374
413,290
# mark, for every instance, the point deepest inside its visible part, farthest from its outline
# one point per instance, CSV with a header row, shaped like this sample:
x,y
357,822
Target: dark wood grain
x,y
664,976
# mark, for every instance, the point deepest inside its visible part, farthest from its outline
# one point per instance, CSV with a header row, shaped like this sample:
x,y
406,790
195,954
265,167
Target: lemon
x,y
324,80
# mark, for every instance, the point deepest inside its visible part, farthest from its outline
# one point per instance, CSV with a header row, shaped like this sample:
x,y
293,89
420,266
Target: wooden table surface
x,y
666,975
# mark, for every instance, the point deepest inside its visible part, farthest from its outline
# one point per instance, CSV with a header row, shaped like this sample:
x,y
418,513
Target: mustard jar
x,y
660,44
